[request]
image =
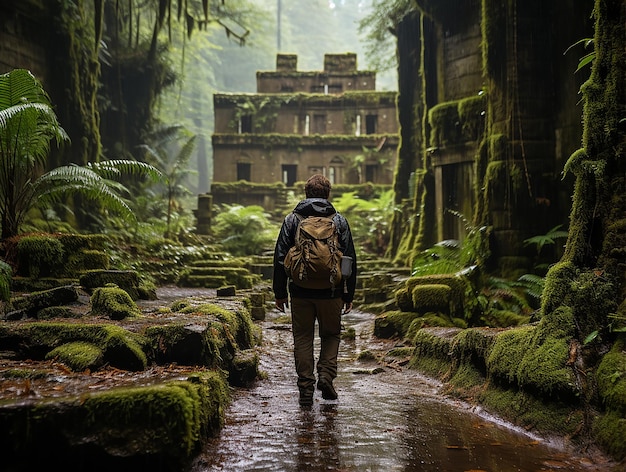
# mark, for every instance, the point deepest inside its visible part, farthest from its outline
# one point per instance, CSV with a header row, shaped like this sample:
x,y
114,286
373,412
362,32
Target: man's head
x,y
317,186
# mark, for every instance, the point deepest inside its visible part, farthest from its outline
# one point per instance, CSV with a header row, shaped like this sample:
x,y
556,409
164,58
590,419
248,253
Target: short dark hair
x,y
317,186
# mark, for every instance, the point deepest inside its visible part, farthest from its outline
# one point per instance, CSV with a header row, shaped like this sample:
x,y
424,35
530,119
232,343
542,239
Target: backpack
x,y
315,259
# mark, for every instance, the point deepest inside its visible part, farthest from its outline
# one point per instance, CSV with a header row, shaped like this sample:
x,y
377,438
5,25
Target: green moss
x,y
504,318
543,368
472,115
507,353
121,348
366,355
170,419
527,411
55,312
557,285
432,351
78,356
39,255
593,297
114,303
403,299
431,297
611,378
443,119
467,380
180,305
127,280
349,334
393,323
427,321
610,433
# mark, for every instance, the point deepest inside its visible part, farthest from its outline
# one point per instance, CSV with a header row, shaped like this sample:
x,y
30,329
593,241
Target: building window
x,y
357,127
245,124
335,88
371,122
371,173
286,88
319,124
289,172
335,170
243,171
317,88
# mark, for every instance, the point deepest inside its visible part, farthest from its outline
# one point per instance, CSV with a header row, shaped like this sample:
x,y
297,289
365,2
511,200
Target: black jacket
x,y
286,239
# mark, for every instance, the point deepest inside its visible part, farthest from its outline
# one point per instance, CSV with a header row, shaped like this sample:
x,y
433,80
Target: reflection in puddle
x,y
392,421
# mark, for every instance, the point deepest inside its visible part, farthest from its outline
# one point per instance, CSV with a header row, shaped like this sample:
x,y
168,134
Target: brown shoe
x,y
328,391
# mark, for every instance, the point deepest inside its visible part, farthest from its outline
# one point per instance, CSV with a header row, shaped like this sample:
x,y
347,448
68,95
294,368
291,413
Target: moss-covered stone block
x,y
393,323
460,287
32,303
431,297
127,280
156,427
39,255
403,299
244,369
445,125
34,340
114,303
433,347
78,356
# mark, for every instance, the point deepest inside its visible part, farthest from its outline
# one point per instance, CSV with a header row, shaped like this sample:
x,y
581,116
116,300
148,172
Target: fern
x,y
549,238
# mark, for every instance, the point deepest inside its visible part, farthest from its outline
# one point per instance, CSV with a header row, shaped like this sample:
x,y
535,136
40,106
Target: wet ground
x,y
387,418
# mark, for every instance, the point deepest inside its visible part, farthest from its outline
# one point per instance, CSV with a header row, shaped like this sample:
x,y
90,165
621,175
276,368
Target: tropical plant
x,y
369,219
549,238
173,165
245,230
27,126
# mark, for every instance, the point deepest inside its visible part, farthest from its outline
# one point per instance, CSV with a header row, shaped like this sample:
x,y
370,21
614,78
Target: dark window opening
x,y
371,170
317,89
335,88
244,171
246,124
289,174
370,124
286,88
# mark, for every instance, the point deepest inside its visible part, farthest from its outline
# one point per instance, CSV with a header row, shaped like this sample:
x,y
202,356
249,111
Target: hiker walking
x,y
315,260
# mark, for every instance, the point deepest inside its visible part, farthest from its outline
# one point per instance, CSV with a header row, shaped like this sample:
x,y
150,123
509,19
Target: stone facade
x,y
298,123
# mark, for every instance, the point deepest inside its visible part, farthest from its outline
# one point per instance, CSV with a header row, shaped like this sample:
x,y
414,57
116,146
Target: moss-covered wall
x,y
516,144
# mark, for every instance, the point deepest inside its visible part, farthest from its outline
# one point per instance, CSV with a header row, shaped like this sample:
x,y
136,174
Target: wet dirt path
x,y
393,420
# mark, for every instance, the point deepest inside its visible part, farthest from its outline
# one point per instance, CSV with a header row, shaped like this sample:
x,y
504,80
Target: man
x,y
307,304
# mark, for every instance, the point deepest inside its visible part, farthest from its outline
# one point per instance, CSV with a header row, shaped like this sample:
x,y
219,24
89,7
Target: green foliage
x,y
172,161
244,230
549,238
40,254
369,219
27,126
5,281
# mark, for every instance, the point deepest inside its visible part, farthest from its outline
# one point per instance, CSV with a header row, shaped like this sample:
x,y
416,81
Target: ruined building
x,y
300,123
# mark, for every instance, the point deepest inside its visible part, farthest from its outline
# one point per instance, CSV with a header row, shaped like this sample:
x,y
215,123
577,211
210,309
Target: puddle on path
x,y
391,421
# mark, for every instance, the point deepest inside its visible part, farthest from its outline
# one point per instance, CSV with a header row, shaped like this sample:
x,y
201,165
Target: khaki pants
x,y
304,312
